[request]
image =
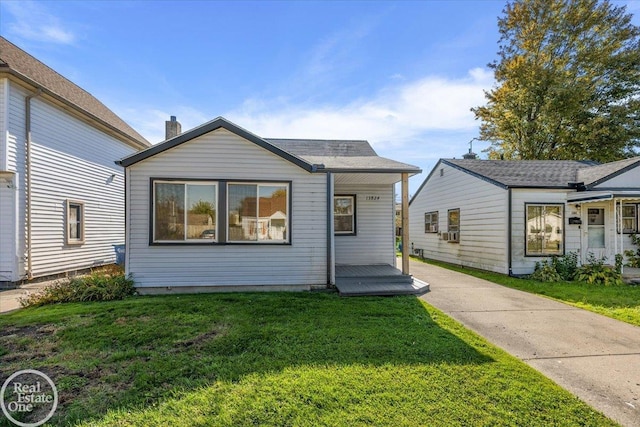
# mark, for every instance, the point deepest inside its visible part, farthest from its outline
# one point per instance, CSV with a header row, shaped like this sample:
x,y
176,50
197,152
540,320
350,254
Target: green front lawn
x,y
307,359
618,302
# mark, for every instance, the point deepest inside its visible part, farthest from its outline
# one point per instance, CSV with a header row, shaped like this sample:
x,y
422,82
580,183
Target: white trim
x,y
4,128
81,211
352,215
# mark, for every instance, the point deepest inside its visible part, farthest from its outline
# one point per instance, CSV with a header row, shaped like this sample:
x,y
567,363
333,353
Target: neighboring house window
x,y
544,229
344,215
452,235
453,220
629,219
75,222
431,222
258,212
184,211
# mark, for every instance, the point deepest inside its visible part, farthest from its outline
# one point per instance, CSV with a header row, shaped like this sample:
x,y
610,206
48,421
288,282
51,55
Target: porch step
x,y
381,286
631,275
395,279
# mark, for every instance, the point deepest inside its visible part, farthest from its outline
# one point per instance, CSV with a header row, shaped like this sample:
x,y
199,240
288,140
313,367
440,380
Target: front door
x,y
596,233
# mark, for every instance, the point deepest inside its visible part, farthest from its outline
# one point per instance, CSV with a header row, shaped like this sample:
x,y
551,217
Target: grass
x,y
618,302
278,359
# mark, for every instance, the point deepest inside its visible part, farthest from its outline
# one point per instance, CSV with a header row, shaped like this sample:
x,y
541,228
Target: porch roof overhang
x,y
374,178
363,169
599,196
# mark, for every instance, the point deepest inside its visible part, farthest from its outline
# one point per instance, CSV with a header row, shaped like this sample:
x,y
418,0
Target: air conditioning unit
x,y
434,228
454,237
444,236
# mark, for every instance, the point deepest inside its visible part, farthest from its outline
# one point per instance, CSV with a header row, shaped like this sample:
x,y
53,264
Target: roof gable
x,y
16,62
596,175
313,155
211,126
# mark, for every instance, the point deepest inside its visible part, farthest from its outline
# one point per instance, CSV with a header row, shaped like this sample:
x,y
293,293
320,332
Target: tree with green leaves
x,y
567,82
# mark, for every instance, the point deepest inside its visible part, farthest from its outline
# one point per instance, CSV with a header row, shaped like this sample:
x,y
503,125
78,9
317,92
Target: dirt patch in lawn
x,y
201,340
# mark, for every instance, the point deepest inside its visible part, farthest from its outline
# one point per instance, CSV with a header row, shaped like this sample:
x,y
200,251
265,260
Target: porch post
x,y
405,223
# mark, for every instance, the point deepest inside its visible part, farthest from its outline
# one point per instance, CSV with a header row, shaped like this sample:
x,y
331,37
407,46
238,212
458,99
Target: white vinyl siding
x,y
70,160
222,155
483,220
373,242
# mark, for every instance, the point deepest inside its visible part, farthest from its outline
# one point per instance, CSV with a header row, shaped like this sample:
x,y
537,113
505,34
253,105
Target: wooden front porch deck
x,y
376,280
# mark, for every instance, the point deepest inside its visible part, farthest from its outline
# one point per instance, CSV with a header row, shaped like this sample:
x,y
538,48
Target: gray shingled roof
x,y
323,147
17,62
524,173
600,172
341,155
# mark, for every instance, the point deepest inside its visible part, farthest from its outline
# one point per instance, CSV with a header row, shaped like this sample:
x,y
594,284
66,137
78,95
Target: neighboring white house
x,y
285,212
61,196
505,216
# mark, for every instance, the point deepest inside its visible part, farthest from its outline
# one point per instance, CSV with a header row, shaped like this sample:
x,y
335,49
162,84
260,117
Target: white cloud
x,y
33,22
415,122
392,117
149,122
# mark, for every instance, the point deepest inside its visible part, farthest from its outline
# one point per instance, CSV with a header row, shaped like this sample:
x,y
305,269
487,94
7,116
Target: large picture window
x,y
184,211
431,222
544,229
75,222
344,215
258,212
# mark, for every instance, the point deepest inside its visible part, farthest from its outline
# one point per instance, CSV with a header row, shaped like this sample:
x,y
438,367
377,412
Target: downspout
x,y
27,108
509,230
330,236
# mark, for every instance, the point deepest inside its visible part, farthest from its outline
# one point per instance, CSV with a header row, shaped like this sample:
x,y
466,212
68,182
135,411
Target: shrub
x,y
595,272
566,266
545,271
633,257
556,269
106,284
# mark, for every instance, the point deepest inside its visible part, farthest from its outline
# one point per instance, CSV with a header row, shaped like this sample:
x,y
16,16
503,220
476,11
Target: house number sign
x,y
372,198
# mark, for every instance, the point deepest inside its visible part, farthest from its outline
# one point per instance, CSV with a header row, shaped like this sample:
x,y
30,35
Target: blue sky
x,y
402,74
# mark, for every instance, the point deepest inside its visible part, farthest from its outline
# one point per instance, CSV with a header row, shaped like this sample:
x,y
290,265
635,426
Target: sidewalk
x,y
594,357
9,299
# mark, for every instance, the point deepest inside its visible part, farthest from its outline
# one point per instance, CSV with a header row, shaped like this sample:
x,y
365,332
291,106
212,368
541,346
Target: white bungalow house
x,y
288,214
505,216
61,196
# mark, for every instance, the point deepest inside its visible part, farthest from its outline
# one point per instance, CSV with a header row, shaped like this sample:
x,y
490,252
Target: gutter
x,y
27,129
509,231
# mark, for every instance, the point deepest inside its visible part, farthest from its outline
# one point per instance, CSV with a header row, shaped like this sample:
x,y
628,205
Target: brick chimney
x,y
172,128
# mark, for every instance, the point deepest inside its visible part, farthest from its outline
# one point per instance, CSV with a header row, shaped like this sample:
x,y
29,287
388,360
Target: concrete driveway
x,y
594,357
10,299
